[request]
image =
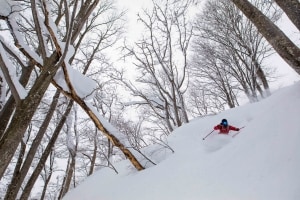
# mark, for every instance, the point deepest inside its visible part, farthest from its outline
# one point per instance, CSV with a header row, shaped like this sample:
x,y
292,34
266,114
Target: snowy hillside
x,y
261,163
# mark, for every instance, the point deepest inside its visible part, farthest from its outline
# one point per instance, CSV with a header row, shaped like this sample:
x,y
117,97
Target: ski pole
x,y
208,134
238,131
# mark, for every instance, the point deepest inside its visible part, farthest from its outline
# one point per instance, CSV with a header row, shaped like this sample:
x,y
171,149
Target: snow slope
x,y
262,162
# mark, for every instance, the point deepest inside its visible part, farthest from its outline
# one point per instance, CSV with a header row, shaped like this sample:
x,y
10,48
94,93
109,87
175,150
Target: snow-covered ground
x,y
262,162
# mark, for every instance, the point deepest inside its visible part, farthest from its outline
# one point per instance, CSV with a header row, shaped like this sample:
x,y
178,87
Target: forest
x,y
70,106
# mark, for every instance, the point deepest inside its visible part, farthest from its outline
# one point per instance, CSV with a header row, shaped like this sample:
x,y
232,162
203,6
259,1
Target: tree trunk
x,y
69,174
280,42
9,106
262,77
22,117
93,159
63,182
291,9
18,178
17,172
45,186
27,189
2,93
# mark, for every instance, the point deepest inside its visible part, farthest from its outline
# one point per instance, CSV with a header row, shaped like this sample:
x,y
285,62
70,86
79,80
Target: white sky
x,y
262,162
133,7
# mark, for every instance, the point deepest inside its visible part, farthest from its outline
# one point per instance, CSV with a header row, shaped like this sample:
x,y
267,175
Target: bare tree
x,y
280,42
48,174
238,45
72,145
161,59
211,74
203,100
53,59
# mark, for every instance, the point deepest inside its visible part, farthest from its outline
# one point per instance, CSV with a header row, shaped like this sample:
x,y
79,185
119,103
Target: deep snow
x,y
261,163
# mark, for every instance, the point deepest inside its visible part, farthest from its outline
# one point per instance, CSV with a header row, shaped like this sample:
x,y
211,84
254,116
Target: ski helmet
x,y
224,122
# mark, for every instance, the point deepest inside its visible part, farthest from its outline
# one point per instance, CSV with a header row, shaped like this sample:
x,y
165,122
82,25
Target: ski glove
x,y
237,129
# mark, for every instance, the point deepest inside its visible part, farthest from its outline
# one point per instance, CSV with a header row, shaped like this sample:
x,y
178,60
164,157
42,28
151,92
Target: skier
x,y
224,127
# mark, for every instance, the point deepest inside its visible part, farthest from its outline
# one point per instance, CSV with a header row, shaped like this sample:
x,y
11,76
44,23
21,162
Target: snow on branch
x,y
108,126
18,91
83,86
19,43
8,48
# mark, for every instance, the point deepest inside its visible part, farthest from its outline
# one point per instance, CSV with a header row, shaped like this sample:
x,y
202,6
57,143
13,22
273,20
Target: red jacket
x,y
225,130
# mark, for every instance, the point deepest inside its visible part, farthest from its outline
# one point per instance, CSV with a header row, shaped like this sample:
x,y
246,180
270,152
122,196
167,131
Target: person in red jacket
x,y
224,127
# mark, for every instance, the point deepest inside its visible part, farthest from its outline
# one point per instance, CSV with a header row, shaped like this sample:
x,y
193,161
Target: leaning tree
x,y
55,29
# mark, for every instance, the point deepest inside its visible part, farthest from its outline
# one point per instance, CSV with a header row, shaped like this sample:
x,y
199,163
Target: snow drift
x,y
262,162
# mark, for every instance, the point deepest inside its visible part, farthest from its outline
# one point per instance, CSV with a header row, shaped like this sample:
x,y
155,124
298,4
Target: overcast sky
x,y
133,7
